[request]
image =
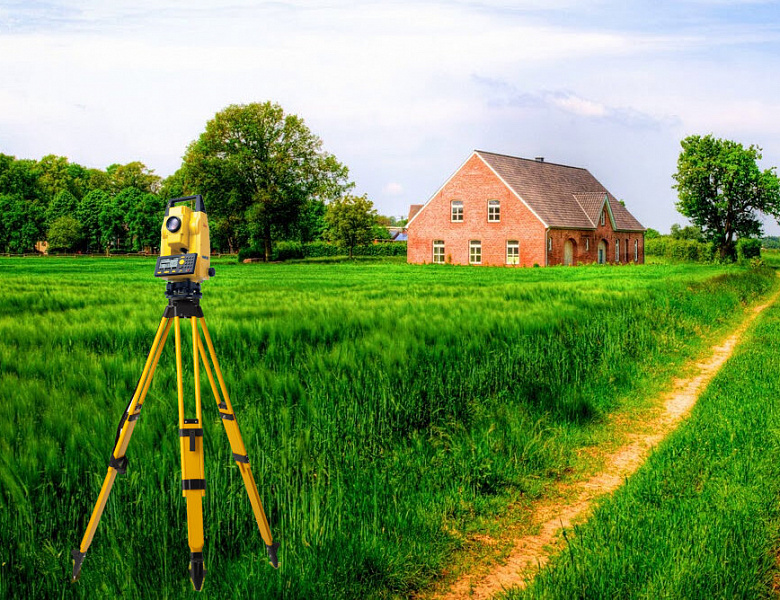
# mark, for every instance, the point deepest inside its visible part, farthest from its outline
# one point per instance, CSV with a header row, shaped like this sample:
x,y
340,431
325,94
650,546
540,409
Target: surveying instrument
x,y
184,263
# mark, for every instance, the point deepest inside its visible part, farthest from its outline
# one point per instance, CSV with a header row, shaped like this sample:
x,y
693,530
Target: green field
x,y
388,410
701,518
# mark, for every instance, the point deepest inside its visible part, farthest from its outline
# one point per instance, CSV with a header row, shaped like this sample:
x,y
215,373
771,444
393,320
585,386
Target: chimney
x,y
539,159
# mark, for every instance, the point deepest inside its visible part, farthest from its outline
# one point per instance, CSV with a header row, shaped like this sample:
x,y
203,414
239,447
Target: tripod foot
x,y
197,570
78,558
272,554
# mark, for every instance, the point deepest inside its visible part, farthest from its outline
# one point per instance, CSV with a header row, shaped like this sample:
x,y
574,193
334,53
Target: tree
x,y
351,220
134,174
88,215
63,204
257,168
689,232
722,190
144,221
64,233
21,224
651,233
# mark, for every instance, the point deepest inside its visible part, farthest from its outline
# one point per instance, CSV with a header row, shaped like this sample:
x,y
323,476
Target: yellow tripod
x,y
183,303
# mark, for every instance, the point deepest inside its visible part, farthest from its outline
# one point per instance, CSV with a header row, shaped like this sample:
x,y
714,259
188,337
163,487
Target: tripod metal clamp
x,y
120,464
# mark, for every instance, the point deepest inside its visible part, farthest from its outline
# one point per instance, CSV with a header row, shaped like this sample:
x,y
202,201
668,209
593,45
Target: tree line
x,y
263,174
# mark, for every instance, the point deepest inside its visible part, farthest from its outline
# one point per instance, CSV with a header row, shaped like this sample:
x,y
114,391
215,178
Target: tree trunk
x,y
267,241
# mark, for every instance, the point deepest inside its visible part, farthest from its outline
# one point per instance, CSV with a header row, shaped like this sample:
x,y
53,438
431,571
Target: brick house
x,y
502,210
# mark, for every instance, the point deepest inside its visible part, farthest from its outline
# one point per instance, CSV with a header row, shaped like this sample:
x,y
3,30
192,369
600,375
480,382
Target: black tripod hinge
x,y
227,416
241,458
192,434
120,464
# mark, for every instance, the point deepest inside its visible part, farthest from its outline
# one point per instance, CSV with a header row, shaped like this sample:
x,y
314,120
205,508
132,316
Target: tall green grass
x,y
383,406
701,518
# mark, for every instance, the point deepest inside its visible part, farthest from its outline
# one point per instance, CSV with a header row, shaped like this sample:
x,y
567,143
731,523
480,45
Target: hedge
x,y
683,250
291,250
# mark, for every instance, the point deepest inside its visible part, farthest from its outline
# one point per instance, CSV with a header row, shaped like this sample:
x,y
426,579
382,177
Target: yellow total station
x,y
184,262
184,246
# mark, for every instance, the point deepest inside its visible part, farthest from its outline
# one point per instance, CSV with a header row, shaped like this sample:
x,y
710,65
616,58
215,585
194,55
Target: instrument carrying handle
x,y
199,206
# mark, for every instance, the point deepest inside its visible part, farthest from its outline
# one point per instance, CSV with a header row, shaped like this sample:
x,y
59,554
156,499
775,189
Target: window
x,y
512,252
456,211
626,249
617,250
603,217
587,244
438,251
549,244
636,250
475,252
494,211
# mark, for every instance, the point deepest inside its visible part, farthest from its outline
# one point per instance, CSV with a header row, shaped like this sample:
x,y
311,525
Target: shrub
x,y
292,250
748,248
679,250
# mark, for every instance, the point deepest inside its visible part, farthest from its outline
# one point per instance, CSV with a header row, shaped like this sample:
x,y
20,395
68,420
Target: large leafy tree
x,y
21,224
257,167
351,221
723,191
88,214
133,175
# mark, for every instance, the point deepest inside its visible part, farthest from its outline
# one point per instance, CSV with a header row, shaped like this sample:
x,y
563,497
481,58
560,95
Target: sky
x,y
401,91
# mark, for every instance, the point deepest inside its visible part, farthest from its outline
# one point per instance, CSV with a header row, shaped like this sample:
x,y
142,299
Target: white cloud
x,y
399,91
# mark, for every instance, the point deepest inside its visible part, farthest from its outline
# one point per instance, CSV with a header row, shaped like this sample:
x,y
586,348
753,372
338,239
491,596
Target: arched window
x,y
494,211
512,252
603,217
438,251
617,251
636,250
456,211
475,252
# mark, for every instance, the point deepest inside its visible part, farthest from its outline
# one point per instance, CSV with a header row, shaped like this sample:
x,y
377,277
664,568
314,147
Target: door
x,y
602,252
568,253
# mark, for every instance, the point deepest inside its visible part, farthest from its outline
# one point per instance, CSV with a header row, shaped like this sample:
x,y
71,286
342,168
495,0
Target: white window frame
x,y
603,217
475,251
456,216
617,250
494,215
549,244
514,258
438,245
587,244
636,250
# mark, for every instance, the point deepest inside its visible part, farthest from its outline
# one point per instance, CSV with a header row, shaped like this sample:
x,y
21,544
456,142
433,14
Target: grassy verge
x,y
386,408
701,518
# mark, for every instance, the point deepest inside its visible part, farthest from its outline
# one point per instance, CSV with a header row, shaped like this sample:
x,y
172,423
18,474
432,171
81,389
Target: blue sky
x,y
400,91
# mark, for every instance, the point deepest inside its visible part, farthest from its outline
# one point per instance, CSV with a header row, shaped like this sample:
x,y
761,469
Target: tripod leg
x,y
236,443
193,482
118,462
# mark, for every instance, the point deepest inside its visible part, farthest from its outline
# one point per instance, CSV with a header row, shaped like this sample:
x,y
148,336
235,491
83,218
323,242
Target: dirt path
x,y
529,553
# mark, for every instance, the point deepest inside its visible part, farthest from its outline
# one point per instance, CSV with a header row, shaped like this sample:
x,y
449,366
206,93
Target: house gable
x,y
475,184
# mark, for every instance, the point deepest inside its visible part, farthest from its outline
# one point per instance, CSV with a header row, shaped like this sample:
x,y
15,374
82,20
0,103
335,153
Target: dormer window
x,y
603,217
456,211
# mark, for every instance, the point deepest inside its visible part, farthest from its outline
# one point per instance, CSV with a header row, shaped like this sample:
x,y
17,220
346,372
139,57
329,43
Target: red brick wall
x,y
603,232
474,184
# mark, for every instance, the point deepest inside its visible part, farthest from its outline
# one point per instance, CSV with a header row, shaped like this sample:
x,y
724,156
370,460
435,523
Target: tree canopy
x,y
259,169
351,221
723,191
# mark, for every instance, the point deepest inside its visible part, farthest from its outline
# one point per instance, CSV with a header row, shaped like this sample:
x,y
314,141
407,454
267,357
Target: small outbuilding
x,y
503,210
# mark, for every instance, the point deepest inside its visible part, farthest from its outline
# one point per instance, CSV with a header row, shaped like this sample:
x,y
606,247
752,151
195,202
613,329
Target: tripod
x,y
183,303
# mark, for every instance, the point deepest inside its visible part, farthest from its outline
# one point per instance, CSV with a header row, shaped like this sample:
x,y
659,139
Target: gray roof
x,y
563,197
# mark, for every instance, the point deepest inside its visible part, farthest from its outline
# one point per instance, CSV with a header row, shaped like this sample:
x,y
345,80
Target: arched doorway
x,y
602,252
569,252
